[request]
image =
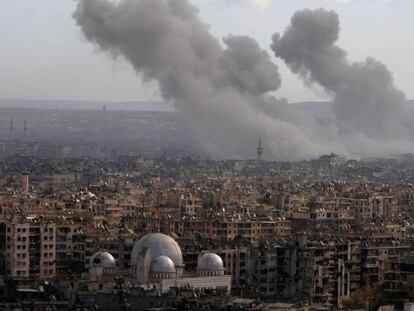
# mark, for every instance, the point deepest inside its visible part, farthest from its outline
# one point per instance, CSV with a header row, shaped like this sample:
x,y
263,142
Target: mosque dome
x,y
158,244
162,264
105,259
210,262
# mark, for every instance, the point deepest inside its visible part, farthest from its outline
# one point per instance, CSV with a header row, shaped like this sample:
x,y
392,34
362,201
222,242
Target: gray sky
x,y
43,55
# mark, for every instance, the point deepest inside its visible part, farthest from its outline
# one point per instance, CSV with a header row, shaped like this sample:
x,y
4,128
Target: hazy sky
x,y
43,54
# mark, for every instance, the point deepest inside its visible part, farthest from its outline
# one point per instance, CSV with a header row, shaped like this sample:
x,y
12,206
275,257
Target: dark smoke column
x,y
222,92
366,99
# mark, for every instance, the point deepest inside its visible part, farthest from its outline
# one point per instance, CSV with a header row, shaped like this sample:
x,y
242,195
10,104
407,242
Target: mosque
x,y
157,263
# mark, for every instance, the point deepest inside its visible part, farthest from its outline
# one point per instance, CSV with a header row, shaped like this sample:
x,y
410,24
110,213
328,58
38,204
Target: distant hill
x,y
323,110
85,105
314,108
318,110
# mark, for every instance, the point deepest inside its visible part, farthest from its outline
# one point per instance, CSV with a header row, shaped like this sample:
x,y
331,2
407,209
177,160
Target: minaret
x,y
259,150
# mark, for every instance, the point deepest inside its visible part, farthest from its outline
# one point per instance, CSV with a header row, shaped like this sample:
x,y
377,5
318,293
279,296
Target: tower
x,y
259,149
11,127
25,182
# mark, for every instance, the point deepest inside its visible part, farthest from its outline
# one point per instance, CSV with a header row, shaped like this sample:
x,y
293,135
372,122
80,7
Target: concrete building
x,y
29,248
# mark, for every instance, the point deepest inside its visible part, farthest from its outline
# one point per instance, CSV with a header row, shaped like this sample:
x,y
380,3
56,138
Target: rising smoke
x,y
366,100
224,89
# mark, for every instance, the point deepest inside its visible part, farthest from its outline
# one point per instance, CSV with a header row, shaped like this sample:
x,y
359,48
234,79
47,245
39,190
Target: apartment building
x,y
29,248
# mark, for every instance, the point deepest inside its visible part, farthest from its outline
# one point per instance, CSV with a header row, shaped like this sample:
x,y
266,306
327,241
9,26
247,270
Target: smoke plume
x,y
223,90
366,99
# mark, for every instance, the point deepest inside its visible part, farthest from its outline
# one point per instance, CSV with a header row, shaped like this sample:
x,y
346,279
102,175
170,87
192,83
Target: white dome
x,y
158,244
210,262
104,259
162,264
